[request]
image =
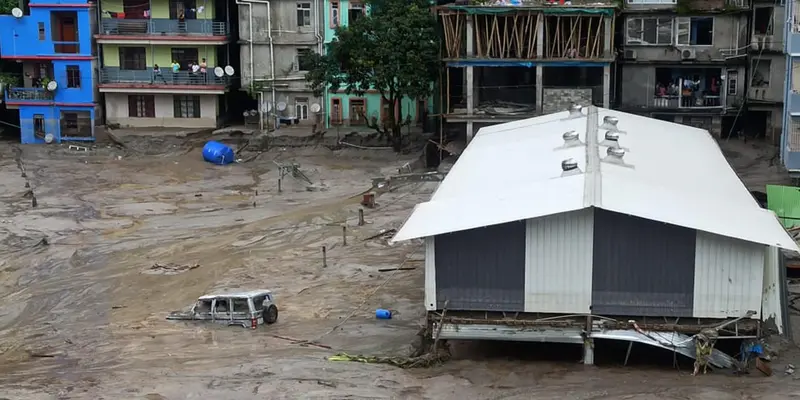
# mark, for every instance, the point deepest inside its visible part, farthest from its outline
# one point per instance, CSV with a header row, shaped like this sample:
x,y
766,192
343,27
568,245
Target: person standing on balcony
x,y
157,75
204,70
175,69
182,20
195,72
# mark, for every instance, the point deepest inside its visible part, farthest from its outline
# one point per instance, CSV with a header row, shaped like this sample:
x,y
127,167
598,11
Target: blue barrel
x,y
383,314
218,153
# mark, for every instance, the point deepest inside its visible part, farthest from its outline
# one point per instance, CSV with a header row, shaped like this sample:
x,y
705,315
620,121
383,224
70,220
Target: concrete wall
x,y
771,66
117,112
555,100
730,33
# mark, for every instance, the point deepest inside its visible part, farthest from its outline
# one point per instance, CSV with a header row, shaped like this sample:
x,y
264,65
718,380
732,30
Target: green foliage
x,y
394,50
7,5
8,79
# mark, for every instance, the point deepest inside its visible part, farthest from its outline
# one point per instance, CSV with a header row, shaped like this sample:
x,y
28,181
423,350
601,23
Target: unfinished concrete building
x,y
505,62
767,72
274,36
684,61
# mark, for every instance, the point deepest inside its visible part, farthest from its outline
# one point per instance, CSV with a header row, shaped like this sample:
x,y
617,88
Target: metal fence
x,y
165,77
13,94
162,26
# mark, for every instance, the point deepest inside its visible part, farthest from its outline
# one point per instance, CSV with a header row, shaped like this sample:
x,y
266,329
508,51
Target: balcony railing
x,y
162,27
28,94
166,77
66,47
687,101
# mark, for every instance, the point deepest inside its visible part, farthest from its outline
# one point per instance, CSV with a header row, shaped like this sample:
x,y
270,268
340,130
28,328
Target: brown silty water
x,y
84,317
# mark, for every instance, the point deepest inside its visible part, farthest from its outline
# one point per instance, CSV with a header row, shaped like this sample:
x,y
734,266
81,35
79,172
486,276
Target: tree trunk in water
x,y
397,133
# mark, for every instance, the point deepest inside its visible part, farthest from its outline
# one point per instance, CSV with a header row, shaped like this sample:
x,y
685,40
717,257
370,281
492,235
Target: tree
x,y
394,50
7,5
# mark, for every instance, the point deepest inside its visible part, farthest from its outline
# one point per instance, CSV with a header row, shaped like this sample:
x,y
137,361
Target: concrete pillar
x,y
470,131
539,68
607,86
588,351
716,126
469,90
607,44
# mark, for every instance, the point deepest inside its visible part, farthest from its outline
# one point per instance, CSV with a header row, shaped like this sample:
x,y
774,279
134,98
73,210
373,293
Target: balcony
x,y
160,27
687,101
120,78
28,95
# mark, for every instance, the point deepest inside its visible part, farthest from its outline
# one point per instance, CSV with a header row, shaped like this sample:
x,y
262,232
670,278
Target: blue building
x,y
56,94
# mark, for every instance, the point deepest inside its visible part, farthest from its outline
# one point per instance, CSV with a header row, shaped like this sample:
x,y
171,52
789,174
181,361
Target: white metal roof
x,y
676,174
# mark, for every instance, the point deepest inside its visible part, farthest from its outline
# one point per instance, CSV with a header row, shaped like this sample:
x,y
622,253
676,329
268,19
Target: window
x,y
188,8
76,124
142,106
240,306
336,111
303,61
794,135
38,125
762,20
301,108
649,31
73,76
187,106
694,31
184,55
356,10
334,14
358,112
41,31
132,58
221,306
733,82
258,302
303,14
652,1
761,71
64,31
202,307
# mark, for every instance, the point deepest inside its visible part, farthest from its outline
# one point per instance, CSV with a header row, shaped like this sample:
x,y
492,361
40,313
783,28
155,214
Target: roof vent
x,y
610,124
571,139
570,167
615,155
612,140
575,111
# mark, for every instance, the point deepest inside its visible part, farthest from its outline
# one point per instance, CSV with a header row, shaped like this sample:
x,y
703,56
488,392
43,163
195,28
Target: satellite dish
x,y
219,72
246,113
16,12
315,108
229,70
49,138
281,106
254,112
52,86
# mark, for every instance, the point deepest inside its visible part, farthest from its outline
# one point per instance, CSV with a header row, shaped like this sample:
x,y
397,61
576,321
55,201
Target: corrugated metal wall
x,y
728,276
482,269
558,277
641,267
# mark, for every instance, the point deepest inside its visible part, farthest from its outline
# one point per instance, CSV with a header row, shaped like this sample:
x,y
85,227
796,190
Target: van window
x,y
240,306
258,302
222,306
203,306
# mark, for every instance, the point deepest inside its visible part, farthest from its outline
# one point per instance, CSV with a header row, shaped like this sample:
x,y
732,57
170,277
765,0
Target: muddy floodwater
x,y
118,239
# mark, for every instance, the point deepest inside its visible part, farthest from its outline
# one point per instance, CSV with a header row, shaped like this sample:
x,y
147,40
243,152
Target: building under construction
x,y
507,62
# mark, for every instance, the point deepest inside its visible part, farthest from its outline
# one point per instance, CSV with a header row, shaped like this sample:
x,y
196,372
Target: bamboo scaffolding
x,y
576,36
454,25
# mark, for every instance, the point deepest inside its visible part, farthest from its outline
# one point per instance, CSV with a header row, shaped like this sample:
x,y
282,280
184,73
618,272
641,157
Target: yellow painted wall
x,y
161,55
160,8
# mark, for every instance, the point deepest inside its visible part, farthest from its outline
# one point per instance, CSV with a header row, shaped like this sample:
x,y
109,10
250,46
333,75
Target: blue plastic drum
x,y
383,314
218,153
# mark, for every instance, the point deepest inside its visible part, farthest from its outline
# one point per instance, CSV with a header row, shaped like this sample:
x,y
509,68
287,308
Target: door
x,y
241,313
202,310
221,311
187,7
133,58
134,9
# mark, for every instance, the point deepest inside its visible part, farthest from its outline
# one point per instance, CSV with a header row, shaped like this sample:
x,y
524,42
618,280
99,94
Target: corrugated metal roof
x,y
677,174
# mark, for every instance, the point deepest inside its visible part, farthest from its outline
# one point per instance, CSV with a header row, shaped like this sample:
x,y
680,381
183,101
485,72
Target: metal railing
x,y
686,101
13,94
162,27
165,77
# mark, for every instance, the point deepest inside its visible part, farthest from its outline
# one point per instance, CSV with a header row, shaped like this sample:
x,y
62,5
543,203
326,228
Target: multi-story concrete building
x,y
56,95
790,140
767,72
370,108
507,62
685,61
148,49
274,37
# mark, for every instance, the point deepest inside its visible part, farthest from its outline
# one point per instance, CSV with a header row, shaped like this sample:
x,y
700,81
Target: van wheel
x,y
271,315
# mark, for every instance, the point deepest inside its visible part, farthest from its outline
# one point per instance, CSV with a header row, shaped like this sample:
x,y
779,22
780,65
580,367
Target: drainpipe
x,y
320,44
249,4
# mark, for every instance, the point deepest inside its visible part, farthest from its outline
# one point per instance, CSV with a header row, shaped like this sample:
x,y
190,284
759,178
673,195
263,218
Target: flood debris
x,y
170,268
383,234
426,360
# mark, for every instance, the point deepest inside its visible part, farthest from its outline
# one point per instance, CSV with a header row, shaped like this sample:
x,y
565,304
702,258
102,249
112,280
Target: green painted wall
x,y
161,55
160,8
409,107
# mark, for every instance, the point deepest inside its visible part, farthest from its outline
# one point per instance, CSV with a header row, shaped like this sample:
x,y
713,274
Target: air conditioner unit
x,y
629,54
688,54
